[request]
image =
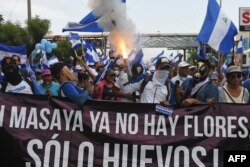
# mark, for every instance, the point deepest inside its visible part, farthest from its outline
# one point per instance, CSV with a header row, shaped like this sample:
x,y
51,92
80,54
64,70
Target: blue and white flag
x,y
102,73
91,55
75,40
44,61
53,60
155,58
217,30
227,62
32,76
239,47
103,59
8,51
239,52
201,55
91,22
136,58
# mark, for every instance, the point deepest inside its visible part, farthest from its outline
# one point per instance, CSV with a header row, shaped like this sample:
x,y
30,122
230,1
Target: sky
x,y
164,16
149,16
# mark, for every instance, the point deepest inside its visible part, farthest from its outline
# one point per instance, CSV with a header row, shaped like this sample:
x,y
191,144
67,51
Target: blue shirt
x,y
53,88
74,93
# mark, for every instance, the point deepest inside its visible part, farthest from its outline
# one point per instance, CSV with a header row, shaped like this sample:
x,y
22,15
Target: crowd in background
x,y
181,84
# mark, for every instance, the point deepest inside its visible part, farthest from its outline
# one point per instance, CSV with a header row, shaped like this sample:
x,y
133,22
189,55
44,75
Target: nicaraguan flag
x,y
155,58
201,55
136,58
32,76
217,30
239,52
44,61
75,40
8,51
53,60
90,23
227,62
239,47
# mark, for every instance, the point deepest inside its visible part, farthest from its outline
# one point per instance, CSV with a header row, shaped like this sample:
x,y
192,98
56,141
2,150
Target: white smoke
x,y
115,21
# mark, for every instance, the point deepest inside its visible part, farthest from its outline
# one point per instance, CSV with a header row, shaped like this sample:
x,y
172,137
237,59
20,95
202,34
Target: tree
x,y
36,28
1,18
14,34
63,50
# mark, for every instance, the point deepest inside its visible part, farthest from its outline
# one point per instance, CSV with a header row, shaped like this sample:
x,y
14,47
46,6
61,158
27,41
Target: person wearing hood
x,y
13,81
67,82
153,88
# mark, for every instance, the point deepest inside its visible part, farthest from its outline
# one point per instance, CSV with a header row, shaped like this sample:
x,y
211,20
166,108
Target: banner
x,y
37,131
8,51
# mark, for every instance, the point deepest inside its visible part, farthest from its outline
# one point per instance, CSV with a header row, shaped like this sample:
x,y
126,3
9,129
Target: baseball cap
x,y
78,67
183,64
45,72
233,68
163,61
213,76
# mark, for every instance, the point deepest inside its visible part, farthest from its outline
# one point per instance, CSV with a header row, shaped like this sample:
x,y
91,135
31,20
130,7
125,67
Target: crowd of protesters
x,y
181,84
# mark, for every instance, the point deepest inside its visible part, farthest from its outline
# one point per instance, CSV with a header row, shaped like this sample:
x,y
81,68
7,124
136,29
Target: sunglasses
x,y
233,76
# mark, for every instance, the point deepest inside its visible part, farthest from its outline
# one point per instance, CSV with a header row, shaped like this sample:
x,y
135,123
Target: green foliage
x,y
192,55
63,51
37,28
1,19
14,34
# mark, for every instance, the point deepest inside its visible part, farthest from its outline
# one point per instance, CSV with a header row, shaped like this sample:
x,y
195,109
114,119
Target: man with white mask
x,y
153,88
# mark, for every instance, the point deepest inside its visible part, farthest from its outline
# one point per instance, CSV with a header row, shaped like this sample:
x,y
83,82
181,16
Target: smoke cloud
x,y
115,21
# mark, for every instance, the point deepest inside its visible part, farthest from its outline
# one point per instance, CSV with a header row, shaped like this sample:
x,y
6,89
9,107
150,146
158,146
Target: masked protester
x,y
13,81
200,89
233,92
153,88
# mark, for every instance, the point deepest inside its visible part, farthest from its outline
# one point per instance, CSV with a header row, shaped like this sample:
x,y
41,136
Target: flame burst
x,y
123,50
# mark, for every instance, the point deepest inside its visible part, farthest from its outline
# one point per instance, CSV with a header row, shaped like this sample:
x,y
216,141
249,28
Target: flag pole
x,y
220,54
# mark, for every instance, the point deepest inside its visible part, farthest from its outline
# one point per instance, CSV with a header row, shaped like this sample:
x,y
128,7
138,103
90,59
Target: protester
x,y
13,81
17,59
48,87
233,92
84,82
153,88
106,89
213,77
138,74
68,88
176,87
38,76
192,70
200,90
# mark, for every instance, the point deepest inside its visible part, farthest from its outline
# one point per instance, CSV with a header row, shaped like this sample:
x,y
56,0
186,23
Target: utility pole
x,y
29,9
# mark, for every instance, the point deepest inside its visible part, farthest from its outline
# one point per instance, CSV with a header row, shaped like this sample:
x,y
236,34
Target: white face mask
x,y
160,77
116,72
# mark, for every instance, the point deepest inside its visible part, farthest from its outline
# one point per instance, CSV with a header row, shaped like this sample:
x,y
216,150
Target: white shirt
x,y
22,87
152,93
